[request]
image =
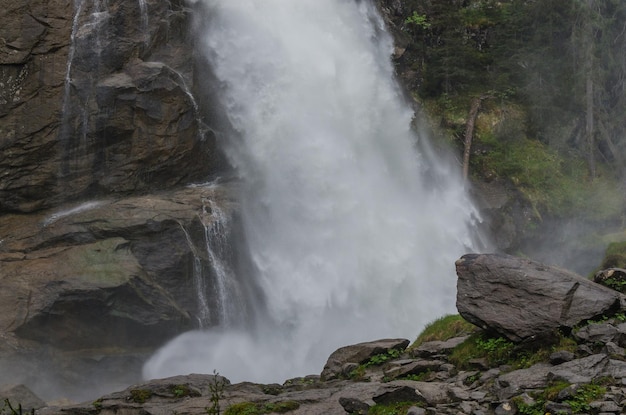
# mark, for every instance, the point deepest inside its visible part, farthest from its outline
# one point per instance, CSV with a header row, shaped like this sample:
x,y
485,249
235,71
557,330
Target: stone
x,y
582,370
354,406
20,395
397,391
359,353
600,333
558,408
416,410
561,356
432,348
523,300
613,278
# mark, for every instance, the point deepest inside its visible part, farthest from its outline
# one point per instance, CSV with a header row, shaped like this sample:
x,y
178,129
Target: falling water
x,y
96,19
353,222
143,10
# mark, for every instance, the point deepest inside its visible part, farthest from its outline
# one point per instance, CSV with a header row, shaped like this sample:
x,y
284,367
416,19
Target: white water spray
x,y
353,232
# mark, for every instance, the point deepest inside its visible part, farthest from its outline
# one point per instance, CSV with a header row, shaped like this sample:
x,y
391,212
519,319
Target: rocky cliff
x,y
102,231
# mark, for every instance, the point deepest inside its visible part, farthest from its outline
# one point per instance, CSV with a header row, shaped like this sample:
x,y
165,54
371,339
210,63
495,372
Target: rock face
x,y
109,277
95,100
101,234
521,299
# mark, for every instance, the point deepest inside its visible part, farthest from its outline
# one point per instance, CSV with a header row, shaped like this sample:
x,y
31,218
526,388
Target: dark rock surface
x,y
521,299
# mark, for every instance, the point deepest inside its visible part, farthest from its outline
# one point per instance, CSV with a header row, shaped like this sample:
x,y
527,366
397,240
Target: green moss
x,y
398,408
182,391
615,256
252,408
140,395
445,328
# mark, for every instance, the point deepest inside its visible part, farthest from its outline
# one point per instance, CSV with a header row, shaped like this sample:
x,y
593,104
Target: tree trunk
x,y
469,133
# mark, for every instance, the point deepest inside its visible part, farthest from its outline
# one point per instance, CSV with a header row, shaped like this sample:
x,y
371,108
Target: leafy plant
x,y
417,20
381,358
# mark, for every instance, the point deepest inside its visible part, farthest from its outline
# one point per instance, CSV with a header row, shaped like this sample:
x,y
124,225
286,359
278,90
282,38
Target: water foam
x,y
353,222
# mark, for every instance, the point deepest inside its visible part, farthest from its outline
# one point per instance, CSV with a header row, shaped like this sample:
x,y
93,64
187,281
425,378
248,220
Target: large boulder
x,y
522,299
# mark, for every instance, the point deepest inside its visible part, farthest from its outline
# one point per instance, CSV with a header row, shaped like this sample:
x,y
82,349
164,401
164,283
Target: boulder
x,y
20,396
523,300
358,353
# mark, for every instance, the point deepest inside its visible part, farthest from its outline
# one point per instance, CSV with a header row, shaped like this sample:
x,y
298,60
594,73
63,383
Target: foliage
x,y
398,408
216,388
444,328
140,395
615,256
417,20
497,351
182,391
252,408
382,358
579,402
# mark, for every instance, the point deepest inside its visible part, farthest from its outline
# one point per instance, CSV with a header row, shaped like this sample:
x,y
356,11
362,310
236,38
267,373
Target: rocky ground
x,y
576,365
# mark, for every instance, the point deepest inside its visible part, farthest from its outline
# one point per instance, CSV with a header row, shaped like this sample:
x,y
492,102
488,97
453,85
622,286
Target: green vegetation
x,y
534,64
500,351
445,328
382,358
182,391
615,256
140,395
216,388
579,402
398,408
252,408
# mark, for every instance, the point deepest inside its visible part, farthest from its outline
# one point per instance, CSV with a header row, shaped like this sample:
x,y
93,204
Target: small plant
x,y
140,395
417,20
181,391
97,404
381,358
584,395
217,393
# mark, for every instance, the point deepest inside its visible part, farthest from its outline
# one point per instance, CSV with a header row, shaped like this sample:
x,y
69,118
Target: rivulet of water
x,y
353,222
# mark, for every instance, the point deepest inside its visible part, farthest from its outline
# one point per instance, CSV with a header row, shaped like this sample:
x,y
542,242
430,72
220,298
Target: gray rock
x,y
428,349
561,356
558,408
580,370
20,395
513,383
416,410
521,299
394,392
358,353
354,406
600,333
606,407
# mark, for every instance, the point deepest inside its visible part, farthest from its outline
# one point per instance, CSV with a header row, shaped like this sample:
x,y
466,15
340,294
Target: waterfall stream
x,y
353,222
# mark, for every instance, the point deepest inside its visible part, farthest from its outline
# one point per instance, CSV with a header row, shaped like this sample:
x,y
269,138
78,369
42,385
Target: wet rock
x,y
354,406
20,395
359,353
522,300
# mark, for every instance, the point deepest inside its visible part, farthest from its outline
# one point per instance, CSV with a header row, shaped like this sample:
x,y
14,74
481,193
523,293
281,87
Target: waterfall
x,y
352,221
